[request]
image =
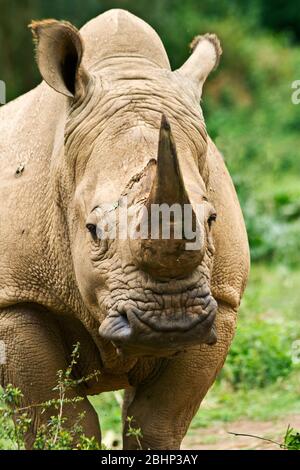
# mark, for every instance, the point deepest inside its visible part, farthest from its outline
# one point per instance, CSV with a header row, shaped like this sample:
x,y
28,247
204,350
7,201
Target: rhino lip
x,y
180,327
129,330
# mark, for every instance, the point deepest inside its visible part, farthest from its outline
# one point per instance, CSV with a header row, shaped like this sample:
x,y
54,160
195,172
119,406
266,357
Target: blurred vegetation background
x,y
250,115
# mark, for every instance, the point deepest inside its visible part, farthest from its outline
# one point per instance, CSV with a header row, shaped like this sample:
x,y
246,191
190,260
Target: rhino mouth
x,y
135,329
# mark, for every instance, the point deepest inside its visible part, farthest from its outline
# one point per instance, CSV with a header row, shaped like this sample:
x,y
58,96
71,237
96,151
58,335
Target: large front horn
x,y
161,256
168,186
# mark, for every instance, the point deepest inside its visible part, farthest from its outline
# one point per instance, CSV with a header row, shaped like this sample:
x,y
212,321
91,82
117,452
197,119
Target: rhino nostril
x,y
122,313
116,325
124,318
124,321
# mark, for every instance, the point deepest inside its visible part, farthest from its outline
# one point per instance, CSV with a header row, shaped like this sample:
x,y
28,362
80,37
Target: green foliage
x,y
292,439
57,433
254,123
108,407
281,15
136,433
225,404
260,354
13,425
57,436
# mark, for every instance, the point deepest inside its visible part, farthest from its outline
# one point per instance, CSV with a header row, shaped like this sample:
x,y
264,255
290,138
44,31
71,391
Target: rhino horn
x,y
168,186
155,253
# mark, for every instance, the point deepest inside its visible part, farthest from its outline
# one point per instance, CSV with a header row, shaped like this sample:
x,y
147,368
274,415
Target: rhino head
x,y
134,141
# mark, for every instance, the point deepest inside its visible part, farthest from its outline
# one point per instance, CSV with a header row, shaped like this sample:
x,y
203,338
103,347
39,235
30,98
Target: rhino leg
x,y
164,408
35,351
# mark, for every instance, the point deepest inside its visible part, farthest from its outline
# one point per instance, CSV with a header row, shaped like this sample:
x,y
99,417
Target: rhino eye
x,y
92,228
212,218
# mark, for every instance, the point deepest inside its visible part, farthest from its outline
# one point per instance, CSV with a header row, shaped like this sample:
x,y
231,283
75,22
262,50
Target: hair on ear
x,y
215,42
205,57
37,26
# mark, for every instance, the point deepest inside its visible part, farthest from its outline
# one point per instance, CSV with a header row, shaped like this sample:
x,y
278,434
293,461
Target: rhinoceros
x,y
111,121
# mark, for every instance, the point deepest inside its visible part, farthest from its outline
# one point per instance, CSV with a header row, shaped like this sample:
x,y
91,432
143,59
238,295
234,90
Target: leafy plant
x,y
292,439
134,432
260,354
56,434
14,422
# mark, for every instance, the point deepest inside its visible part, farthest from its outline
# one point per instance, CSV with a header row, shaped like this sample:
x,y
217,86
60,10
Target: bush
x,y
56,434
292,439
250,115
260,354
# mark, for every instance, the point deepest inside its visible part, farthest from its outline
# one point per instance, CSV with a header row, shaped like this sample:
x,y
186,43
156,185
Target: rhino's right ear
x,y
59,51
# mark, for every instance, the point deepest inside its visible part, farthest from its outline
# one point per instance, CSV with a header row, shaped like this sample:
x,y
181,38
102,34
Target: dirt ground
x,y
218,437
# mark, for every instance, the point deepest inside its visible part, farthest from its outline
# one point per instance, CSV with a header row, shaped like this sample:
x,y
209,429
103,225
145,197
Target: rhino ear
x,y
205,57
59,51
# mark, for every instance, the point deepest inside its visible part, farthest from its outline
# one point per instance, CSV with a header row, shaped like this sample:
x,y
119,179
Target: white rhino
x,y
109,121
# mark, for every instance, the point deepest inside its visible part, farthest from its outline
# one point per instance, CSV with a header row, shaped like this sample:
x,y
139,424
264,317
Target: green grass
x,y
273,293
270,314
223,404
268,325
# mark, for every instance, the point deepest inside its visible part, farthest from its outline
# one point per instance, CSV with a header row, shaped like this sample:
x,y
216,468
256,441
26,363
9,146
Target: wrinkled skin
x,y
154,319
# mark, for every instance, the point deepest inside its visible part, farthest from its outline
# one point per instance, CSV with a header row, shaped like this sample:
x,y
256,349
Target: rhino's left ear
x,y
205,57
59,51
